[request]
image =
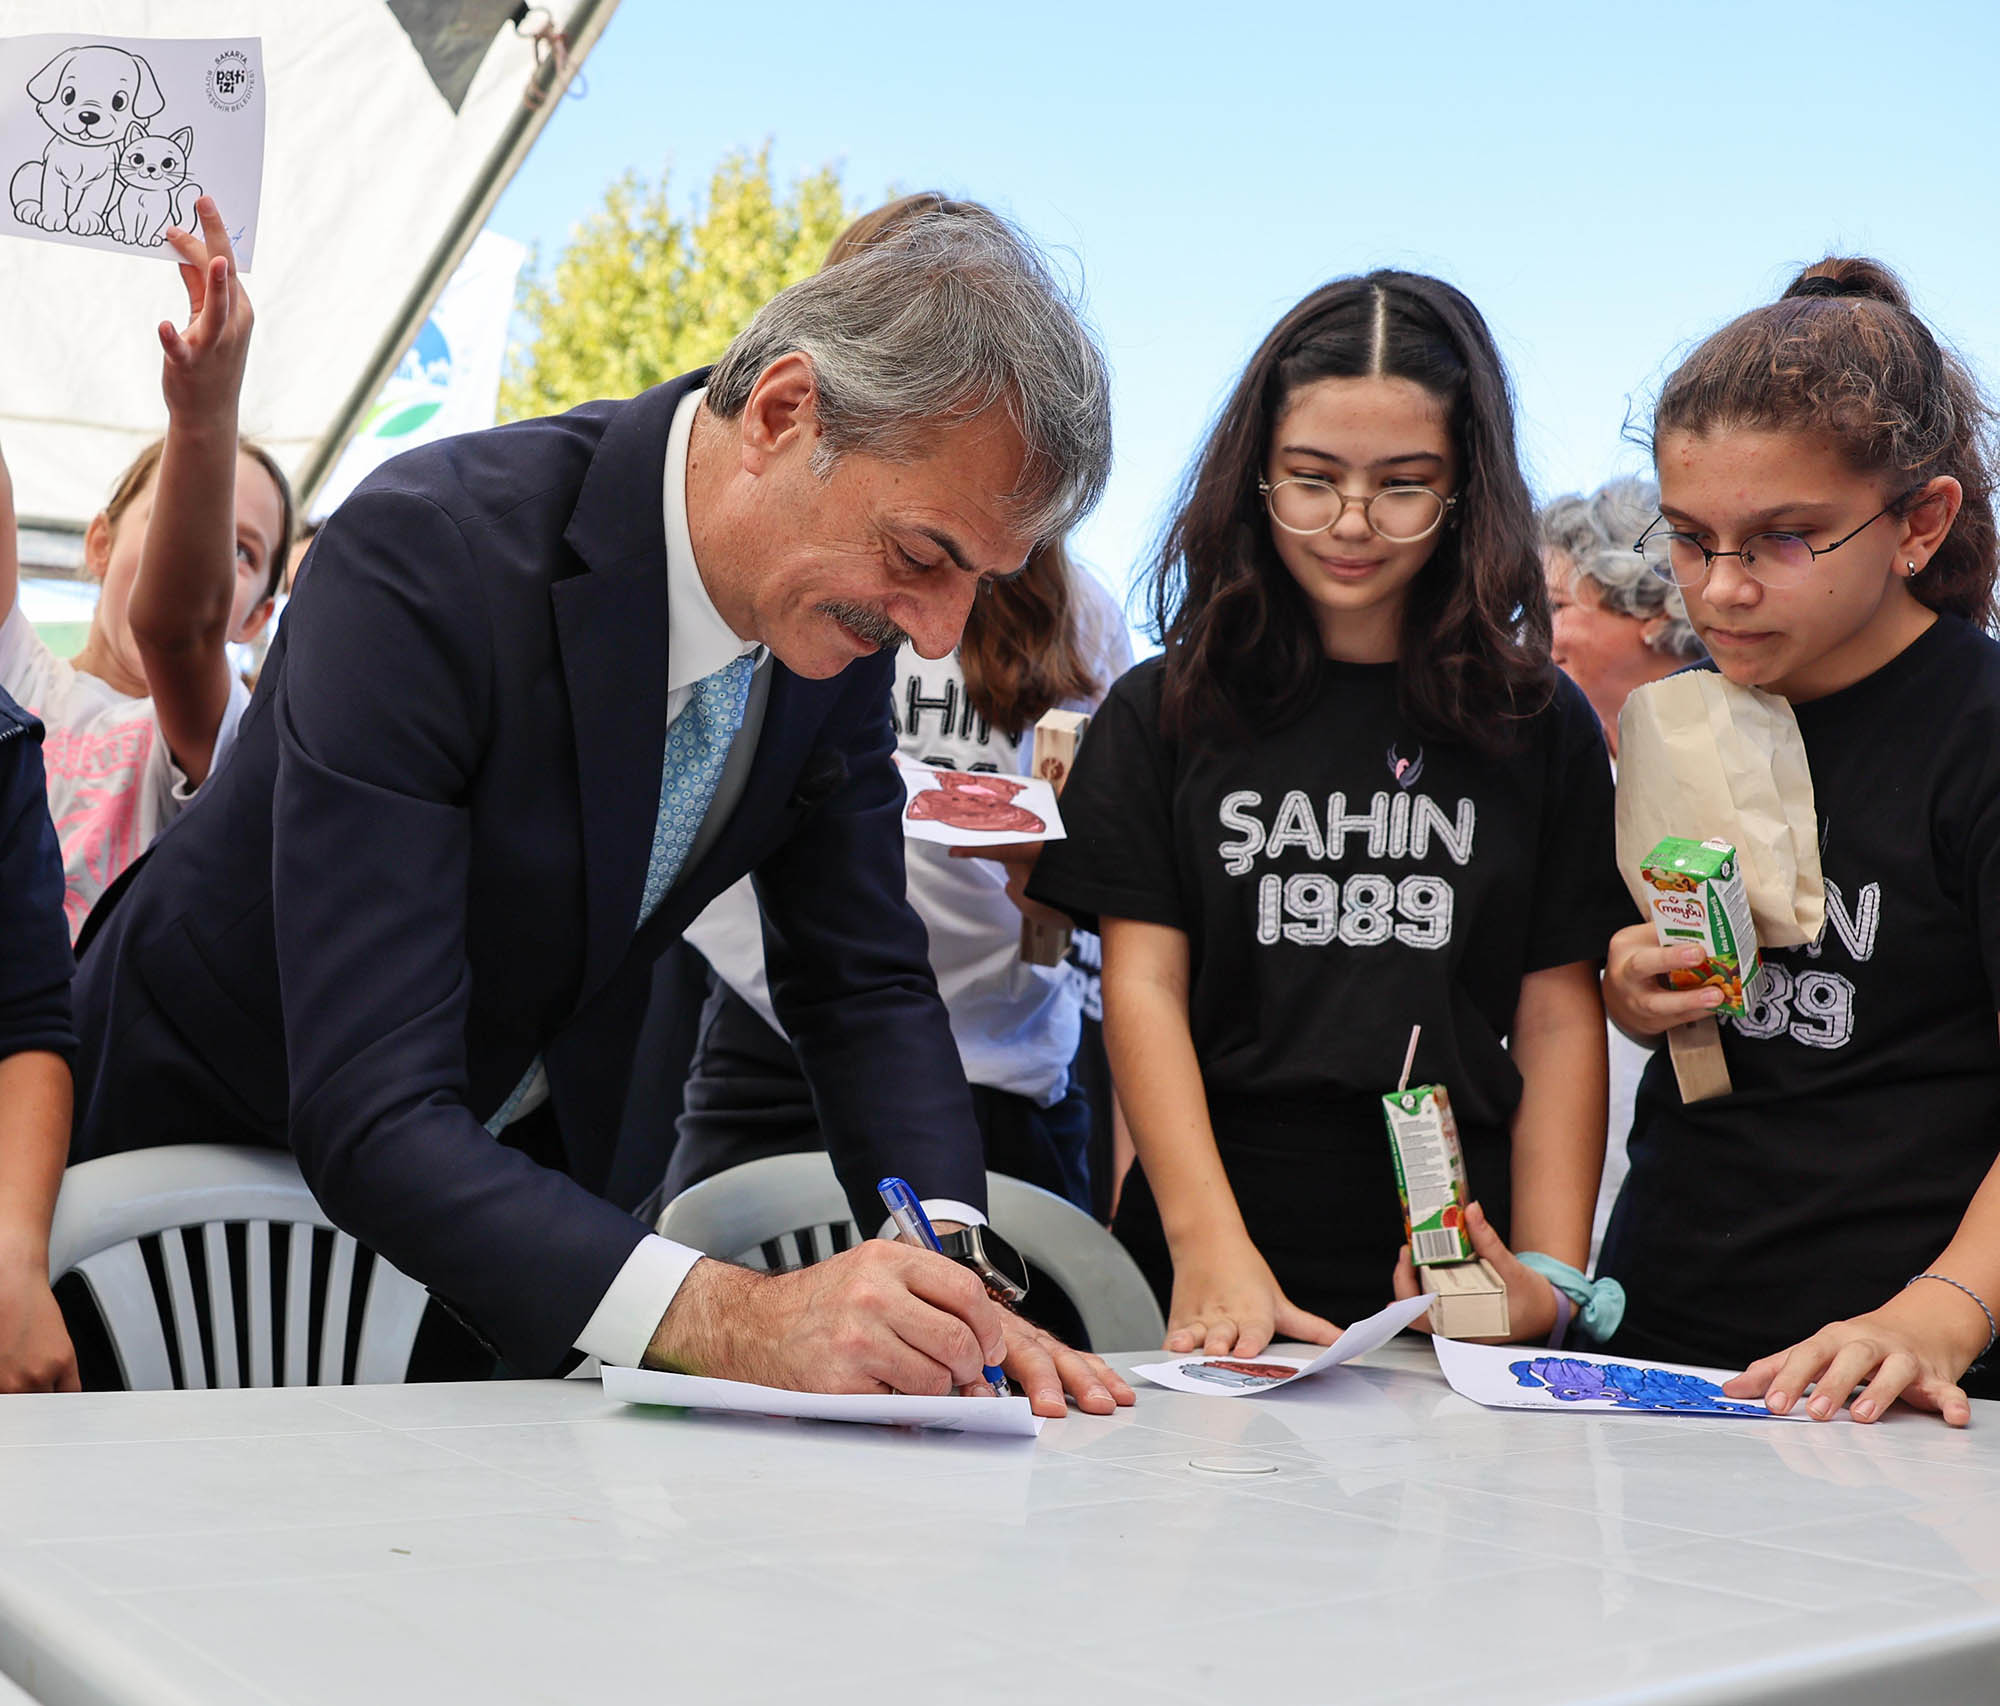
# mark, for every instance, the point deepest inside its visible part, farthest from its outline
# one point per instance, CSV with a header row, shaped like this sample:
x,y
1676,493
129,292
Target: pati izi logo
x,y
230,81
415,391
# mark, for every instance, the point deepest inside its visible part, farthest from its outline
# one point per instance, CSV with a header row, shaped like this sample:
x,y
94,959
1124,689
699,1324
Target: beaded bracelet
x,y
1992,1326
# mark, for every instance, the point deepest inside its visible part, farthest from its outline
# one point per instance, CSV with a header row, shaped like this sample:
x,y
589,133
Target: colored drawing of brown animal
x,y
975,800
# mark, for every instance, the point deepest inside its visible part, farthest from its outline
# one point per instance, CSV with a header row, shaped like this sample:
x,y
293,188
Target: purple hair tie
x,y
1564,1311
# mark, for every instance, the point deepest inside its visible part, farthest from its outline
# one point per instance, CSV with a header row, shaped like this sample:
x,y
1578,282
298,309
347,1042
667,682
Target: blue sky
x,y
1606,181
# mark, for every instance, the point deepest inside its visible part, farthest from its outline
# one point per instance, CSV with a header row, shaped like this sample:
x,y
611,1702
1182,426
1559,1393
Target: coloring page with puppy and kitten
x,y
105,141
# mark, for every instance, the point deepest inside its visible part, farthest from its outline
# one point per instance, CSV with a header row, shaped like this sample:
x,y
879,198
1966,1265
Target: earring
x,y
1912,567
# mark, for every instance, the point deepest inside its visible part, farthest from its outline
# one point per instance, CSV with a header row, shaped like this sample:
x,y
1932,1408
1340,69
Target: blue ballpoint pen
x,y
915,1226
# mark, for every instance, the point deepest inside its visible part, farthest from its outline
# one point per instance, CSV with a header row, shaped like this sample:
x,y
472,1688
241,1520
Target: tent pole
x,y
586,23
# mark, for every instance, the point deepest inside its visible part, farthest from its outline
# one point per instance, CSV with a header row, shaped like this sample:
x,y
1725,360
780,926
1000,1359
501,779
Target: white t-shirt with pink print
x,y
113,785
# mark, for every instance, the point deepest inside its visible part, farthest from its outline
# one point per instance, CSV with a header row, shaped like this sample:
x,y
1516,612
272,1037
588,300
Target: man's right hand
x,y
881,1318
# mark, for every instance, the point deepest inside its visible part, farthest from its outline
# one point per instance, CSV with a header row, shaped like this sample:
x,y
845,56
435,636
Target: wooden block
x,y
1056,738
1471,1300
1699,1066
1052,757
1044,944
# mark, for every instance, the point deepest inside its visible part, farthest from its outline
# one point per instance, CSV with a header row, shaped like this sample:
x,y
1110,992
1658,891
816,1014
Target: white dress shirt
x,y
699,642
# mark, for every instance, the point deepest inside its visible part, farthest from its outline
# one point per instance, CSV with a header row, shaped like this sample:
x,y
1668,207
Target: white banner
x,y
449,380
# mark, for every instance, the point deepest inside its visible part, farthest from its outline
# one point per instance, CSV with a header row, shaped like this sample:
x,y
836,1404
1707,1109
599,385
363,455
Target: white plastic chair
x,y
788,1211
116,1212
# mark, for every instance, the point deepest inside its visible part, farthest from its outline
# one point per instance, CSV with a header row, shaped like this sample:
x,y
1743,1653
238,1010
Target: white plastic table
x,y
1365,1536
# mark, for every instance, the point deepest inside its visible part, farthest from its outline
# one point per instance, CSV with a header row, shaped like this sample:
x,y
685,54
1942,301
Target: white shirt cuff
x,y
941,1208
623,1324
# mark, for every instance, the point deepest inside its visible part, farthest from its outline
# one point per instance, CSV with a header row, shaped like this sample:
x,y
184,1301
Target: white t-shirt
x,y
1628,1062
113,785
1016,1025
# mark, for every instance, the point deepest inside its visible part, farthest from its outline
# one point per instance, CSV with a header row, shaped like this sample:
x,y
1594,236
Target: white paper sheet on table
x,y
198,106
1522,1377
1243,1377
976,808
894,1409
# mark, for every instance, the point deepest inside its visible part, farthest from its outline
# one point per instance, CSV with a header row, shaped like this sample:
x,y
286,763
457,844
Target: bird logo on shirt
x,y
1406,770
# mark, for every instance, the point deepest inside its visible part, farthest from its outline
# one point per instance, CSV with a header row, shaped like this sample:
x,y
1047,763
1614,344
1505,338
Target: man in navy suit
x,y
542,693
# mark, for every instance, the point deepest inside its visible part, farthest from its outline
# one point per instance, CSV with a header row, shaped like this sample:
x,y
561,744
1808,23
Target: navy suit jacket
x,y
421,866
35,963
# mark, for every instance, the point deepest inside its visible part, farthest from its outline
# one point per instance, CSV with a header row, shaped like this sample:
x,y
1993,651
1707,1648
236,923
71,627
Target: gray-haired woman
x,y
1617,624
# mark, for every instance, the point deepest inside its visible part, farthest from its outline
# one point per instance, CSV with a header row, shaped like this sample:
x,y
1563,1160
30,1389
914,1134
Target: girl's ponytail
x,y
1842,353
1849,276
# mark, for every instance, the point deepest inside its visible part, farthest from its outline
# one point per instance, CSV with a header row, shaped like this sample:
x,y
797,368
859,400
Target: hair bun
x,y
1853,276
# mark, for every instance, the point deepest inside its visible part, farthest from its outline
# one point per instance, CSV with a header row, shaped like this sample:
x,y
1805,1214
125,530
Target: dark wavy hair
x,y
1843,353
1242,648
1022,652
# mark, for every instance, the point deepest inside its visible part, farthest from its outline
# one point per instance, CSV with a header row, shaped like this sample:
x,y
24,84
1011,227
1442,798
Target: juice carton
x,y
1696,895
1430,1173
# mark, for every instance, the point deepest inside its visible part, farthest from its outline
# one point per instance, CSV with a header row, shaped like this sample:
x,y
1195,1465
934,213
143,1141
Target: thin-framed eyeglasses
x,y
1400,514
1770,558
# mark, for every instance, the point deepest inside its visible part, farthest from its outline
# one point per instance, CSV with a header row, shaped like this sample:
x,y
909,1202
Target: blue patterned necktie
x,y
697,748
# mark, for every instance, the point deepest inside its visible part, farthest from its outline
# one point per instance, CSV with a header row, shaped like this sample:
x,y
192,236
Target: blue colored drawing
x,y
1626,1387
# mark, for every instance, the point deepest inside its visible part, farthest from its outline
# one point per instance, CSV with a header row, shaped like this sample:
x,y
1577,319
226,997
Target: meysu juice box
x,y
1694,890
1430,1173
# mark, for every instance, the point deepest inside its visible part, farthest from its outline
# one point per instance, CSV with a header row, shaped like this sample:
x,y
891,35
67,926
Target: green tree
x,y
639,295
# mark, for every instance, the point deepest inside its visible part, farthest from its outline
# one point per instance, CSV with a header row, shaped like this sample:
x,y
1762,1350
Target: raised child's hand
x,y
1635,990
1227,1302
204,367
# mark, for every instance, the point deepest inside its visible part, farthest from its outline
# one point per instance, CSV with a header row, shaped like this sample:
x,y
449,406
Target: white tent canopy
x,y
392,127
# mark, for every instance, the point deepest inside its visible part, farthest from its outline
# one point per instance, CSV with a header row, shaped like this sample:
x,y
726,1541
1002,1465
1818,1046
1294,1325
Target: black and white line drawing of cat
x,y
154,190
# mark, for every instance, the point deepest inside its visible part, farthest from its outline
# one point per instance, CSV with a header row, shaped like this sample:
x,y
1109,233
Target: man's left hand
x,y
1045,1368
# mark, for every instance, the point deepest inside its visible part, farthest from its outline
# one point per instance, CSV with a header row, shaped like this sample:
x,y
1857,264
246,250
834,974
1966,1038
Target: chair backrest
x,y
226,1247
788,1211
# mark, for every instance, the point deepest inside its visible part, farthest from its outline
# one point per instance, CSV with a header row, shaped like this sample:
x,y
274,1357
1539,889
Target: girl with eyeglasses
x,y
1353,796
1826,506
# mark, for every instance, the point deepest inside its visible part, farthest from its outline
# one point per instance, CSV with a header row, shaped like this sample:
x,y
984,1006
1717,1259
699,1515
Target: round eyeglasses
x,y
1771,559
1400,514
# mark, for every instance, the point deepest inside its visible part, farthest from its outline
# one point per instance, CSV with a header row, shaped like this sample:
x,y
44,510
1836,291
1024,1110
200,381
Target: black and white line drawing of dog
x,y
87,96
153,186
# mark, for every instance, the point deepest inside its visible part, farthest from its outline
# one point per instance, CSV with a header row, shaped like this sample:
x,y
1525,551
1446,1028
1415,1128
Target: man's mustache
x,y
871,625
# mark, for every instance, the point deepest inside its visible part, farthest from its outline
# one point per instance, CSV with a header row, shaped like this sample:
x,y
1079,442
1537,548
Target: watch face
x,y
1005,1261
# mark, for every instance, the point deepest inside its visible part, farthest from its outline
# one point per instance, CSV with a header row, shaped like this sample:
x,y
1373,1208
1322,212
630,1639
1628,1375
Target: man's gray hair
x,y
1597,533
937,322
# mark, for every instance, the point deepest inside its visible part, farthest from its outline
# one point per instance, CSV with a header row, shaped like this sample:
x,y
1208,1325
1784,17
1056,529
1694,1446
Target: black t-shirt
x,y
1866,1073
1339,880
35,961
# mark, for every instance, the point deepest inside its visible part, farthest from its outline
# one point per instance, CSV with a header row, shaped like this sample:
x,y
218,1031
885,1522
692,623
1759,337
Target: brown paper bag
x,y
1699,756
